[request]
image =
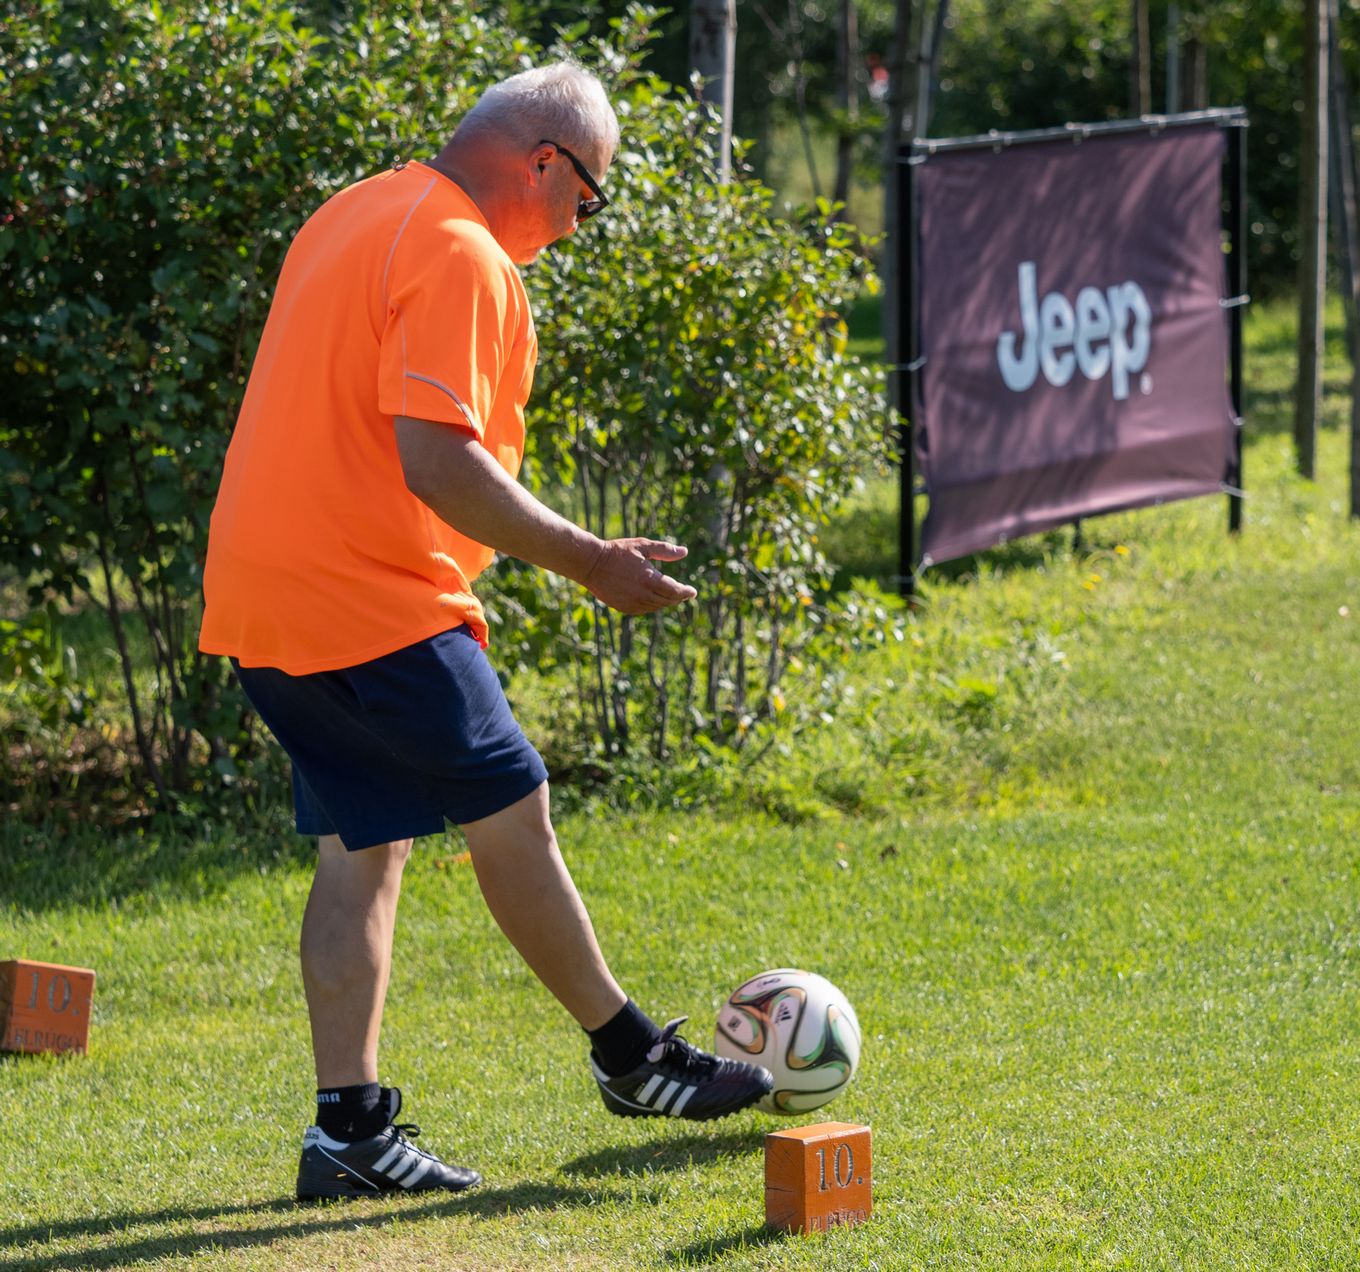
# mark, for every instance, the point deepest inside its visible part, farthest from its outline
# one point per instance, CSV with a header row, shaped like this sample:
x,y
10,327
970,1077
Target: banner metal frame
x,y
906,358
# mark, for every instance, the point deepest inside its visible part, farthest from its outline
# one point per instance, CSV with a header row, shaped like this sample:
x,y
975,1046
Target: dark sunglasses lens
x,y
587,208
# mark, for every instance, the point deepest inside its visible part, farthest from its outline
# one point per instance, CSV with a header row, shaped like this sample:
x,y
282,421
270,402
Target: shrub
x,y
693,385
156,161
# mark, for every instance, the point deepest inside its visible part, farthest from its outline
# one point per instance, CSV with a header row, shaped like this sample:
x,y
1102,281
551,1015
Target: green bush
x,y
156,161
693,383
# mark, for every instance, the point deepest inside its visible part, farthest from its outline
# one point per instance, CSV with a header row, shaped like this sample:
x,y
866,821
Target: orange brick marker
x,y
818,1177
44,1006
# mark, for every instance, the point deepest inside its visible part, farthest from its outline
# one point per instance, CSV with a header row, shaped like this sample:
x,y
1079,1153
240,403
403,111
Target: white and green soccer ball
x,y
801,1028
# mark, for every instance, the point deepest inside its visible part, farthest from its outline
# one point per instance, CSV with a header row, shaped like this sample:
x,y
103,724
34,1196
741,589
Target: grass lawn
x,y
1082,849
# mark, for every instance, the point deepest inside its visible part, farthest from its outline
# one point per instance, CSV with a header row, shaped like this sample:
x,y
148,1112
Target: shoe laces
x,y
406,1132
674,1053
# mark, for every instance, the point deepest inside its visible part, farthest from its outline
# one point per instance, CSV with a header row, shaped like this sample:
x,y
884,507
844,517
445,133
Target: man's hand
x,y
449,471
624,578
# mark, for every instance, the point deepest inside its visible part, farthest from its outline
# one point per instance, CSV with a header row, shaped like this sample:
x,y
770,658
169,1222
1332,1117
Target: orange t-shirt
x,y
394,299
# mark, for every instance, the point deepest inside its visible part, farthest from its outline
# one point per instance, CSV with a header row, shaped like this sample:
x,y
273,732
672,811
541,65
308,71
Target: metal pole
x,y
904,357
1236,216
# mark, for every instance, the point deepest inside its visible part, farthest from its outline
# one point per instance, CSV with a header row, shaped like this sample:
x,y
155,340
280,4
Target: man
x,y
370,479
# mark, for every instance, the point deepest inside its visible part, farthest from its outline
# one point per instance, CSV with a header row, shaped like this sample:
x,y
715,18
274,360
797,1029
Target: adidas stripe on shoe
x,y
383,1163
679,1080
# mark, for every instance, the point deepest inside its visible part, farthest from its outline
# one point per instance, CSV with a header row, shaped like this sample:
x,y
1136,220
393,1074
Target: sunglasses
x,y
586,208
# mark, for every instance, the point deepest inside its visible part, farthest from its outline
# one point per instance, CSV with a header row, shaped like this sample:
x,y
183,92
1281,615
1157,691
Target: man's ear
x,y
539,159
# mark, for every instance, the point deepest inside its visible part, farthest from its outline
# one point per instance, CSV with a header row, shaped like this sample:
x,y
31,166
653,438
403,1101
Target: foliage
x,y
49,695
156,162
694,385
1016,64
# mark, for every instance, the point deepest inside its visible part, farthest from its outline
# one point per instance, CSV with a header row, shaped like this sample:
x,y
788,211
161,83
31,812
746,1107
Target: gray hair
x,y
561,102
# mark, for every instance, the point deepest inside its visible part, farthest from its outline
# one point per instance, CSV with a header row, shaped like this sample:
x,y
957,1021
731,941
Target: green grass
x,y
1082,849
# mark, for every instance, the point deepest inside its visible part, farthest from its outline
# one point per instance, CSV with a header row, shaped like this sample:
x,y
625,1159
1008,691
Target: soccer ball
x,y
801,1028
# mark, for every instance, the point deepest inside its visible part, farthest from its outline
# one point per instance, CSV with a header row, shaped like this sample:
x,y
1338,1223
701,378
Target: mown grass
x,y
1082,849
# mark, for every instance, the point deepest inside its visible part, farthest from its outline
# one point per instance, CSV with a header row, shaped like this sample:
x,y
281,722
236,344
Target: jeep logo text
x,y
1106,331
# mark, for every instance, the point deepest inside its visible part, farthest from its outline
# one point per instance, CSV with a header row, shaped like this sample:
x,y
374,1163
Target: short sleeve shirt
x,y
394,299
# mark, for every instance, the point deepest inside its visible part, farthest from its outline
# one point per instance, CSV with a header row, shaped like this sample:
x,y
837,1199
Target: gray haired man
x,y
370,479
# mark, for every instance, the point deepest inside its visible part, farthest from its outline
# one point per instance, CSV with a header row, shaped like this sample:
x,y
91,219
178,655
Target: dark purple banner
x,y
1075,347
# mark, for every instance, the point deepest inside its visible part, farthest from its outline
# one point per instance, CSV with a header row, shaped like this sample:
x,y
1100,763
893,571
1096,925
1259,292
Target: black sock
x,y
351,1113
622,1042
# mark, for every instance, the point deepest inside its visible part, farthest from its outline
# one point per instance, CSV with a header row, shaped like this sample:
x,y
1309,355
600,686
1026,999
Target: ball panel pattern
x,y
800,1027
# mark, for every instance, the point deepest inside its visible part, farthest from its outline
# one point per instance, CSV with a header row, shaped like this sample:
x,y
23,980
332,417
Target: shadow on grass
x,y
865,545
702,1253
1270,409
864,325
664,1154
273,1221
1028,553
64,865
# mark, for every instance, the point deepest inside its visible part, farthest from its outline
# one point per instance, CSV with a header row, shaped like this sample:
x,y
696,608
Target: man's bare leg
x,y
347,955
346,959
531,896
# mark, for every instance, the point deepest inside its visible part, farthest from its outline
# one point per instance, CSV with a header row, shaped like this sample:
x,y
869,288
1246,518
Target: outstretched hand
x,y
624,578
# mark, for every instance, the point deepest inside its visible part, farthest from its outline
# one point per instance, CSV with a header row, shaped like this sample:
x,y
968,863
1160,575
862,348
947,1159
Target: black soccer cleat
x,y
678,1080
384,1163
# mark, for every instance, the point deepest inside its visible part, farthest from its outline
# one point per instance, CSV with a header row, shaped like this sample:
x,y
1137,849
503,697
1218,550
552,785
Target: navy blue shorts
x,y
391,748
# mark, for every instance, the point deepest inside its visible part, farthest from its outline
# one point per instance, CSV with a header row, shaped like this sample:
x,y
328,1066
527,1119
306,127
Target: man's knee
x,y
524,823
384,857
397,851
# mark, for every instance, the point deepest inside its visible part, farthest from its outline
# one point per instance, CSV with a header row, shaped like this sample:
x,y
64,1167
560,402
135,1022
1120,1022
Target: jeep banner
x,y
1073,341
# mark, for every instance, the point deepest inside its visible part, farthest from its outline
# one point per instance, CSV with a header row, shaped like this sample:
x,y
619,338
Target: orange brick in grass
x,y
44,1006
818,1177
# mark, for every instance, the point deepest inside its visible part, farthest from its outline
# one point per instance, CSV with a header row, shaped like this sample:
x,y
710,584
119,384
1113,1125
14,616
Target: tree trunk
x,y
712,56
1341,197
712,50
1346,227
1173,59
925,70
1312,235
903,65
1140,66
1195,75
805,126
847,97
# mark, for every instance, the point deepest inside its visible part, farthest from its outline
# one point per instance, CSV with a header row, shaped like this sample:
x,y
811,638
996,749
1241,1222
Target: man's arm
x,y
451,472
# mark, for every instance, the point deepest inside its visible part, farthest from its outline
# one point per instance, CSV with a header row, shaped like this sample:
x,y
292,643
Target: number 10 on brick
x,y
44,1006
818,1177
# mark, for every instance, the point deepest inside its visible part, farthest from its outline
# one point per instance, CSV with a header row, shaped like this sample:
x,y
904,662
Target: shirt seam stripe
x,y
410,212
444,388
